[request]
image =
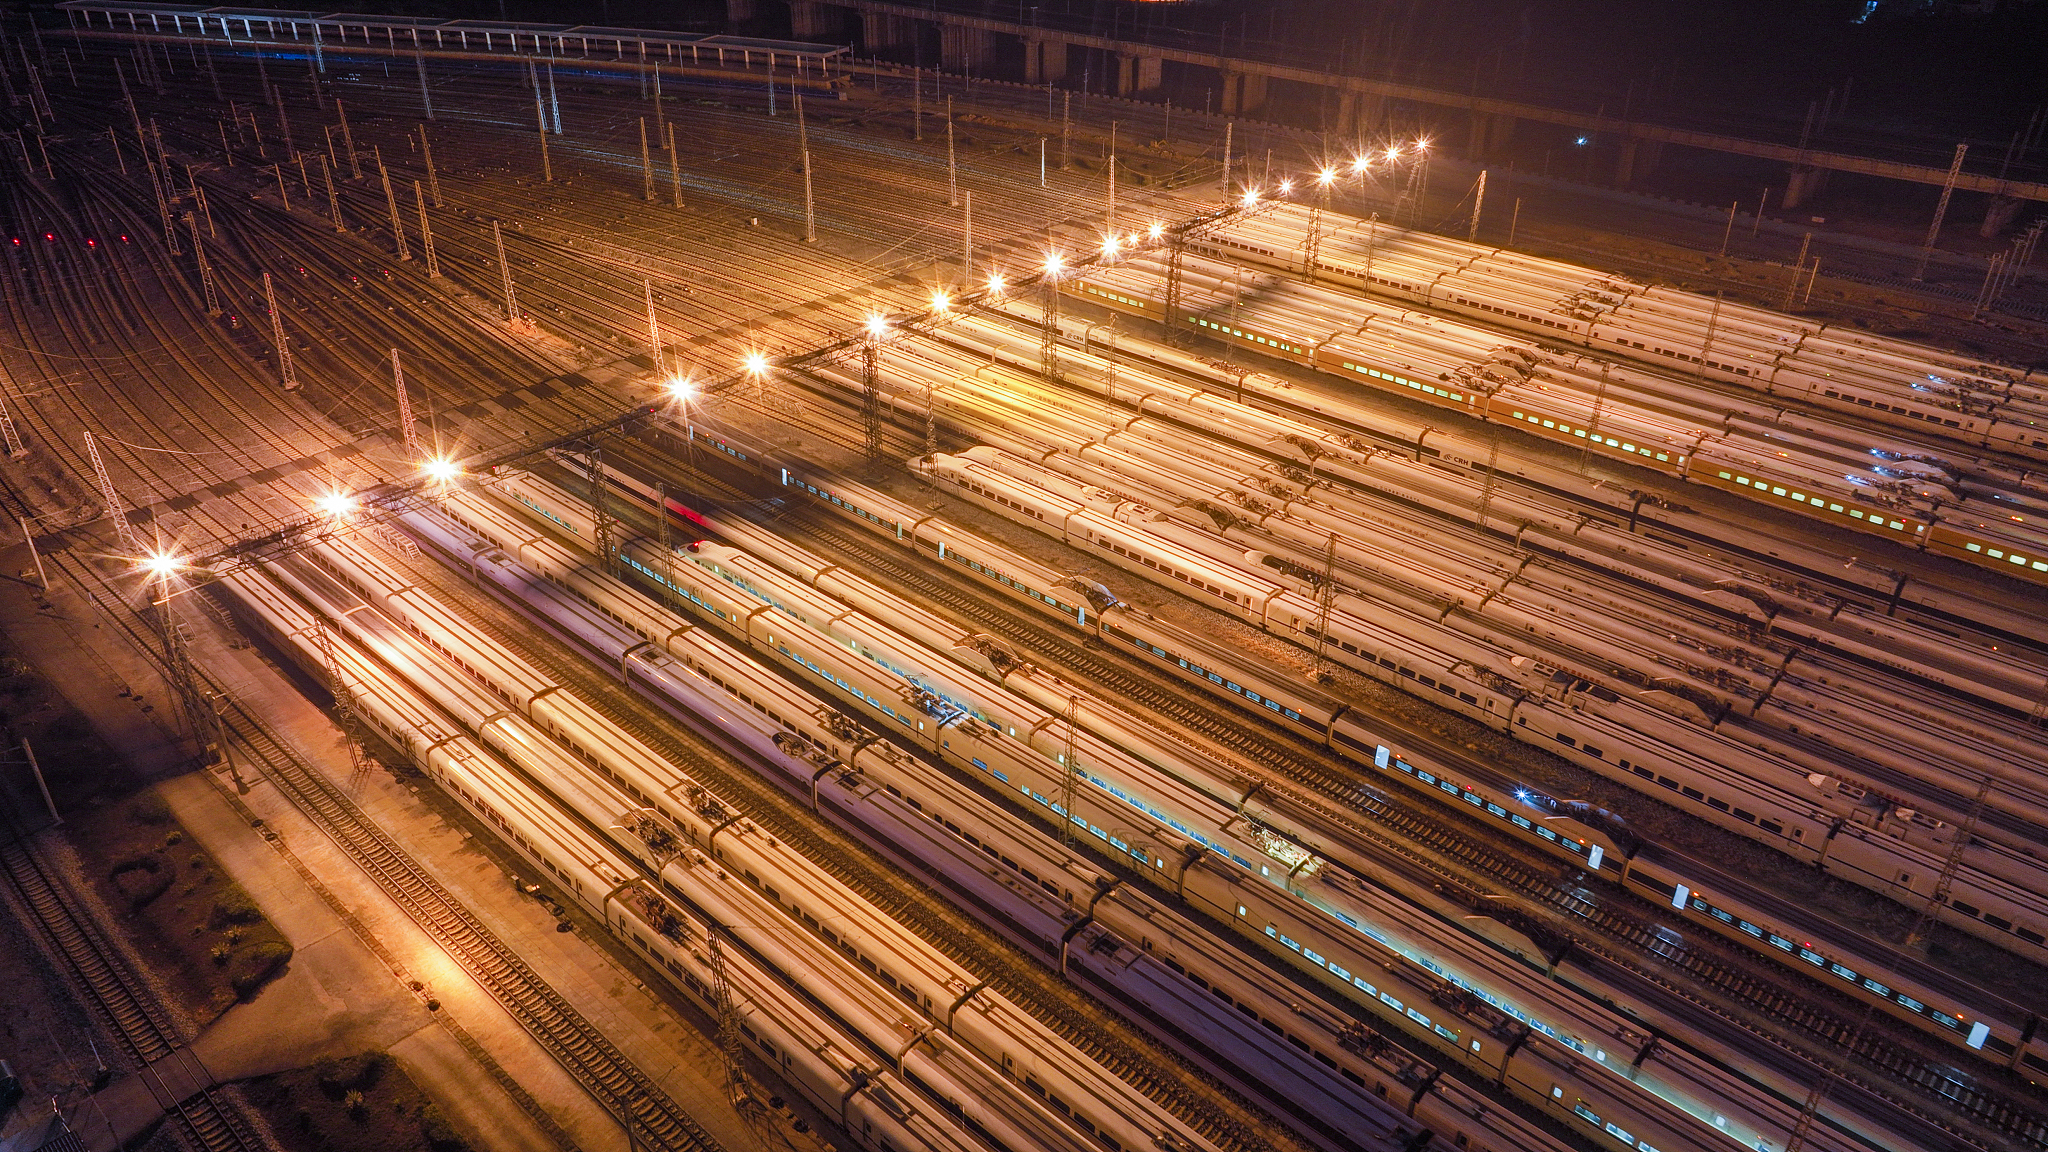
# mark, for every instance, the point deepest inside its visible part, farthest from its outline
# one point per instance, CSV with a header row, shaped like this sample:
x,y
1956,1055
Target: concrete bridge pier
x,y
1045,61
1999,215
1636,158
1804,184
963,49
1135,73
814,20
738,12
881,32
1488,135
1243,93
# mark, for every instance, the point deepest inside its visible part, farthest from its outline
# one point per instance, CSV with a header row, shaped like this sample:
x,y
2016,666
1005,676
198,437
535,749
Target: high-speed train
x,y
1829,366
1587,838
1636,745
1891,493
882,1098
1479,1028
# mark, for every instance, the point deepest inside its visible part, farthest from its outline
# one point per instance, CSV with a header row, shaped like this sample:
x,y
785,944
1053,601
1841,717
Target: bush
x,y
234,907
148,808
344,1074
254,968
439,1134
141,879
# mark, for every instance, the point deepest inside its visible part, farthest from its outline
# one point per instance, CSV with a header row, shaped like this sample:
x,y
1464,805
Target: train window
x,y
1998,922
1771,826
1743,814
1966,909
1693,793
2030,936
1720,805
1639,770
1668,782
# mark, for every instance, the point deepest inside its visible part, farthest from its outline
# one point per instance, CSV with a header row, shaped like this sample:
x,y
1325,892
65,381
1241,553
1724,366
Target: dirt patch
x,y
360,1103
190,922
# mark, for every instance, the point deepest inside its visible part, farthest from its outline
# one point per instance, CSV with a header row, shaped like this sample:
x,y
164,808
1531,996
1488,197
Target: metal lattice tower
x,y
653,330
391,202
426,232
285,373
1069,773
1049,333
407,433
870,403
600,516
344,706
1809,1112
193,702
15,448
1326,598
205,269
122,529
505,270
1169,309
729,1043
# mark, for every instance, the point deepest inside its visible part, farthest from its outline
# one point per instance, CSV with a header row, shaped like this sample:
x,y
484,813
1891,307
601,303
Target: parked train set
x,y
1904,987
1465,1001
903,1047
1597,842
1829,366
1854,811
1902,489
1904,712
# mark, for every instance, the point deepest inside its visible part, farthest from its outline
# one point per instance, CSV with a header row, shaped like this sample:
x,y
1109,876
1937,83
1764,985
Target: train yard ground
x,y
200,439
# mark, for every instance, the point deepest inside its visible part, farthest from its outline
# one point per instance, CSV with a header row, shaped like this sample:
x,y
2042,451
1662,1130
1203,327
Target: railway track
x,y
1091,1029
1423,842
570,1037
209,1120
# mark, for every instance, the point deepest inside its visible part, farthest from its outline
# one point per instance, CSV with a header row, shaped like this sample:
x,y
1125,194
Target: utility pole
x,y
391,202
952,163
407,433
1478,203
505,270
1792,285
1729,231
284,349
1948,189
967,242
426,232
